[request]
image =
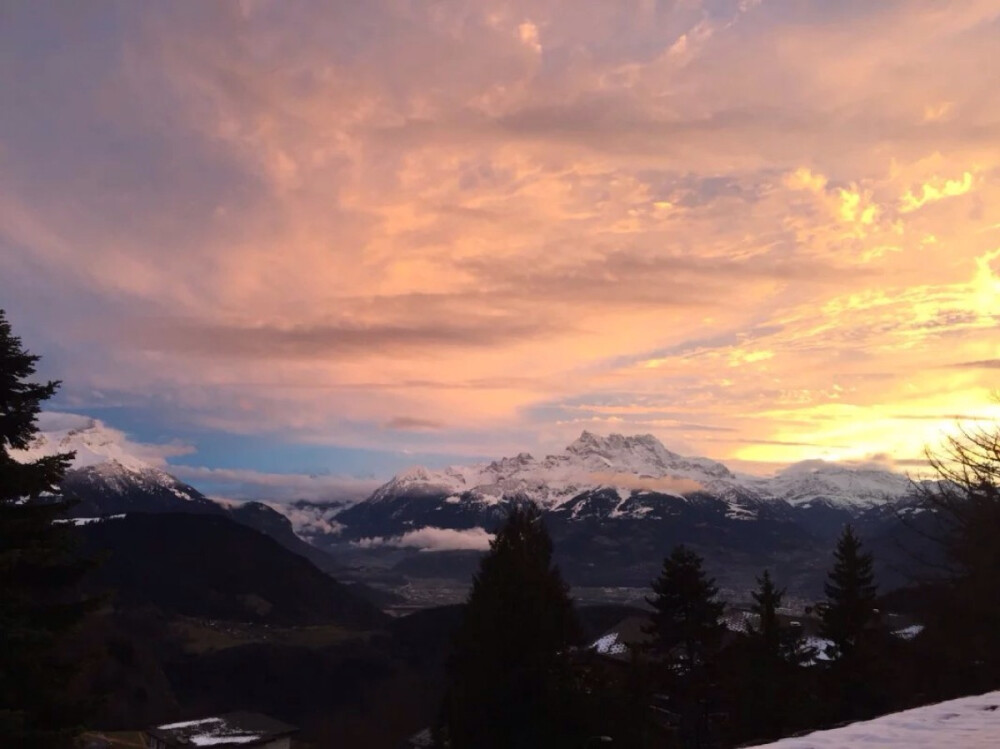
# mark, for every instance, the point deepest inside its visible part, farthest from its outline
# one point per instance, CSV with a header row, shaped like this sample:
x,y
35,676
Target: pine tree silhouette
x,y
511,679
849,621
851,596
772,638
685,621
764,671
37,567
766,601
687,631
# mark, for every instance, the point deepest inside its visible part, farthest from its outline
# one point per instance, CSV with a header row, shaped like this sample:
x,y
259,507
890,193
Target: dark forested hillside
x,y
210,566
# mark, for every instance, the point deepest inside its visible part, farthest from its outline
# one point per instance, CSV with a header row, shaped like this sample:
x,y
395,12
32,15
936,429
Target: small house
x,y
240,729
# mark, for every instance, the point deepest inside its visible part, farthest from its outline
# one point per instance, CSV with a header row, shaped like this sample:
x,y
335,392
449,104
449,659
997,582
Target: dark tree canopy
x,y
37,566
772,638
966,501
764,672
686,627
686,615
965,506
850,596
766,602
510,672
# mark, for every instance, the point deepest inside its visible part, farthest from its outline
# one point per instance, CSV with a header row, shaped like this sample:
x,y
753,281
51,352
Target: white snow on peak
x,y
642,463
968,722
105,452
643,455
120,477
590,462
94,442
836,484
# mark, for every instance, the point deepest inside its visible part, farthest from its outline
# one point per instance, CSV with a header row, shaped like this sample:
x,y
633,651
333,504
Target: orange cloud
x,y
392,226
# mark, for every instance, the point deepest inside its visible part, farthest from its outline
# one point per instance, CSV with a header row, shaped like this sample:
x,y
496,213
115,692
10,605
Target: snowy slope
x,y
818,481
966,723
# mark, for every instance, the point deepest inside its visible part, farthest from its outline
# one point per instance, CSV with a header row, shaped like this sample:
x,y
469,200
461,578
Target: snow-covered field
x,y
965,723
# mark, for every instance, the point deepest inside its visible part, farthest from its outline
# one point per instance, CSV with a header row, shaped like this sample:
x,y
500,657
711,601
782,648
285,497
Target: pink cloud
x,y
321,222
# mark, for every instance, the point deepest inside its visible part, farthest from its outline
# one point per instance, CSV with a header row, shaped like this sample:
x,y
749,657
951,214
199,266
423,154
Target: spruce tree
x,y
686,616
763,672
850,596
766,601
775,641
511,681
37,567
853,679
687,631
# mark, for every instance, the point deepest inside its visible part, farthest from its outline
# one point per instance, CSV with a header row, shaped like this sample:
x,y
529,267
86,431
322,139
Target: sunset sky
x,y
282,238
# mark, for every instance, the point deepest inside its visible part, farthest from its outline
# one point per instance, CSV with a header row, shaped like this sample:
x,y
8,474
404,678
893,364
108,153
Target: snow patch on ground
x,y
87,521
965,723
211,732
609,645
908,633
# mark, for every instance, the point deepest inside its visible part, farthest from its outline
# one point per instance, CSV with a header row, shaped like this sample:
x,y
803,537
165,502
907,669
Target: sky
x,y
302,238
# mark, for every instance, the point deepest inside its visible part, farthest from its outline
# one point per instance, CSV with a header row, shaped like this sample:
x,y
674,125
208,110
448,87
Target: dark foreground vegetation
x,y
148,619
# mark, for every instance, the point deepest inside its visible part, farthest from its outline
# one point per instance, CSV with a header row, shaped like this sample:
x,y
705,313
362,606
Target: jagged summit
x,y
590,462
613,444
640,463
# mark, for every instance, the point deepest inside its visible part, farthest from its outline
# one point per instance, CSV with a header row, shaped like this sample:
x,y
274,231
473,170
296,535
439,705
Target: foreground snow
x,y
966,723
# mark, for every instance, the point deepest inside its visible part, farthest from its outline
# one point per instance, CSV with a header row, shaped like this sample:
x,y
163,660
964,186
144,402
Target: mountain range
x,y
614,505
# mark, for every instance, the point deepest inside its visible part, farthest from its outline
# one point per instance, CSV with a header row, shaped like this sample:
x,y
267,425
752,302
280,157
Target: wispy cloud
x,y
408,423
277,487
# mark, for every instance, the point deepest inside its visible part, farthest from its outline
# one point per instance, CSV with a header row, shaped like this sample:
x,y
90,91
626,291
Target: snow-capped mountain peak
x,y
838,484
107,465
93,442
642,463
643,455
590,462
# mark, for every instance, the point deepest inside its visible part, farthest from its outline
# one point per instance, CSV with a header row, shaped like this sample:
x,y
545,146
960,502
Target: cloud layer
x,y
763,231
434,539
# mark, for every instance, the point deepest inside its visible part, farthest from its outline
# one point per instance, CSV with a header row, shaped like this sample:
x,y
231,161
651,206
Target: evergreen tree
x,y
686,616
766,601
850,596
687,632
855,676
511,680
37,567
764,675
775,641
